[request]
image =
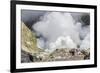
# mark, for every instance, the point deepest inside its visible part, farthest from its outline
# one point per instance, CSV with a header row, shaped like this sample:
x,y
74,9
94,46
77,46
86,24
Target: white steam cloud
x,y
60,30
86,42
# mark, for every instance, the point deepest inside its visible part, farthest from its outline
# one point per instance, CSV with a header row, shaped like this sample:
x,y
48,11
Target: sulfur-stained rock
x,y
28,45
28,40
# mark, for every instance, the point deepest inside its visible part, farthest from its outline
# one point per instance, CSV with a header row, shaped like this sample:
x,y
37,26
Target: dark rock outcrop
x,y
26,57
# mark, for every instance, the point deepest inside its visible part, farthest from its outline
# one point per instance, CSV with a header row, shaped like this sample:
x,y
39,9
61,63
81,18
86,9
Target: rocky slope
x,y
28,43
28,40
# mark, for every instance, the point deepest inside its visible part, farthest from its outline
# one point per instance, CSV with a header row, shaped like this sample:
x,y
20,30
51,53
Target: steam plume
x,y
60,30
